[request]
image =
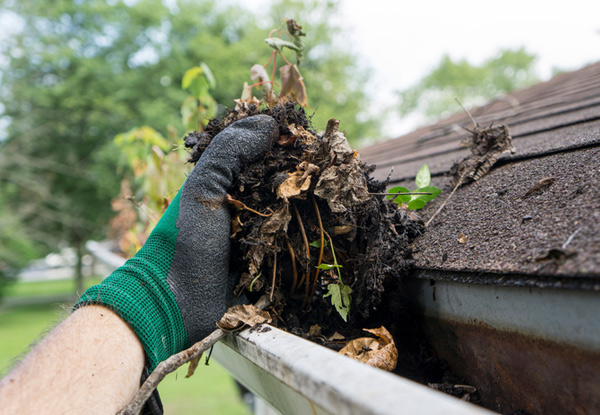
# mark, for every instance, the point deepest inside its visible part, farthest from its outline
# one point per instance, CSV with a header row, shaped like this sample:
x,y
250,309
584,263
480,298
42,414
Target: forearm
x,y
91,363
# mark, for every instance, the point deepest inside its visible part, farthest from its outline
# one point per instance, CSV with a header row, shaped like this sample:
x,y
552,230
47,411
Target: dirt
x,y
309,188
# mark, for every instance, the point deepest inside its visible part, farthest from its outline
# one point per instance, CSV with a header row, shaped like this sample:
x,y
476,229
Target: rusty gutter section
x,y
527,350
295,376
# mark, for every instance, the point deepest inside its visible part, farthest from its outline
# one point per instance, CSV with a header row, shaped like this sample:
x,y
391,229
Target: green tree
x,y
76,73
473,85
16,247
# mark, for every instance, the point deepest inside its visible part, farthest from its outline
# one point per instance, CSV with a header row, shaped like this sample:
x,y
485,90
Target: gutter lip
x,y
335,383
590,282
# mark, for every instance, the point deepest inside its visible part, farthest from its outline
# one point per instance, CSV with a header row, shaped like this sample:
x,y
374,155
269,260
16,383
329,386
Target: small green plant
x,y
199,106
340,293
416,201
157,163
292,86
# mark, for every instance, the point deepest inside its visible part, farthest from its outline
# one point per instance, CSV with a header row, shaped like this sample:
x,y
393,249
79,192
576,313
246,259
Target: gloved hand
x,y
175,288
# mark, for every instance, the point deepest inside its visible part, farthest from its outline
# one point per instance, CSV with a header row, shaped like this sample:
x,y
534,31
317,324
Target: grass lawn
x,y
210,391
54,287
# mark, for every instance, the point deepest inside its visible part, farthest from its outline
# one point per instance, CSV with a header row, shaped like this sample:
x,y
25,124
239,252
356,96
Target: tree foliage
x,y
76,73
473,85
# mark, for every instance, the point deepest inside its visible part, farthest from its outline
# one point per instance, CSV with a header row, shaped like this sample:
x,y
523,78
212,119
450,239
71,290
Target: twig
x,y
175,362
302,231
475,123
241,206
274,275
294,269
570,238
316,277
168,366
460,181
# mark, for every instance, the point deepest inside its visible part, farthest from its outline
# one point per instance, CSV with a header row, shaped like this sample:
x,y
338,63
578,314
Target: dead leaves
x,y
379,352
292,85
486,144
298,182
343,185
273,227
539,186
240,316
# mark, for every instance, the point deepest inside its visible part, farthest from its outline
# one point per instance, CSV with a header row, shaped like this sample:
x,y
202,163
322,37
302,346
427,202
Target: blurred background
x,y
96,96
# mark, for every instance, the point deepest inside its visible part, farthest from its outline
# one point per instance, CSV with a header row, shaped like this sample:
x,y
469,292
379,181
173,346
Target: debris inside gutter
x,y
309,231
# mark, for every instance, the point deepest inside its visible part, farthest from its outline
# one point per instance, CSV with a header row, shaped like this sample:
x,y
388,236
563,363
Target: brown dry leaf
x,y
270,229
239,316
343,187
541,185
292,84
297,182
300,133
462,239
314,330
258,72
193,366
293,186
486,144
336,336
379,352
236,226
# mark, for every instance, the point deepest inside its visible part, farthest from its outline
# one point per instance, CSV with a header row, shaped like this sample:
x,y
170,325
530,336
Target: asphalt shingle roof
x,y
551,237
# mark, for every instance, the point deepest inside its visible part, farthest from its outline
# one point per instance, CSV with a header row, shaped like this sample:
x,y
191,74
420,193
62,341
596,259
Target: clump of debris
x,y
307,229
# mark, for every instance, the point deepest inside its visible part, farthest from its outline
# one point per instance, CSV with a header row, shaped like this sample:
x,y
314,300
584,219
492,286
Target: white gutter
x,y
298,377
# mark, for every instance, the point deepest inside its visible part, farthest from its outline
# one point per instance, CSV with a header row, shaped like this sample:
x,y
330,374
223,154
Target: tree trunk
x,y
79,268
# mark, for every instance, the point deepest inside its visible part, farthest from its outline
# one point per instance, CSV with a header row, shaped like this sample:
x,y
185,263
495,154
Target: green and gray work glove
x,y
175,288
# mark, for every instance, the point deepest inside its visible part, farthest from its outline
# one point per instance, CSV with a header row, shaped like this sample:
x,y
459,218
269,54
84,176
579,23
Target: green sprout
x,y
340,293
416,201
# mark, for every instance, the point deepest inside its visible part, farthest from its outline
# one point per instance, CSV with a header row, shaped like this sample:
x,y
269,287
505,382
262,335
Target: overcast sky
x,y
403,40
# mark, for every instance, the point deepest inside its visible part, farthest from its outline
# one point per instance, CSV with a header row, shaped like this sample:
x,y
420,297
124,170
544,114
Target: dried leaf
x,y
292,84
342,229
236,226
336,336
286,141
462,239
378,352
557,255
486,145
301,134
297,182
293,186
260,73
541,185
274,226
246,93
239,316
193,366
314,330
343,187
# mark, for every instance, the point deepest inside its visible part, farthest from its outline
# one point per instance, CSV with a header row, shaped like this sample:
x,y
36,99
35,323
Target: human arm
x,y
92,360
176,287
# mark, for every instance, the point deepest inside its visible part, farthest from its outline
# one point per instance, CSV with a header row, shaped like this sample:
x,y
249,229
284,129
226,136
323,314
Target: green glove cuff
x,y
138,292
